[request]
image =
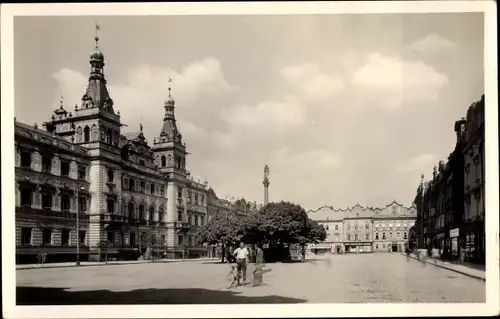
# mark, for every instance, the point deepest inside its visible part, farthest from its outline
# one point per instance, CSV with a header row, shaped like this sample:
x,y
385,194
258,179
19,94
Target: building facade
x,y
364,229
131,198
450,206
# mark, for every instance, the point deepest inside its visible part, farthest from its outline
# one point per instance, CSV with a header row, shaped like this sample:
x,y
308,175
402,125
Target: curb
x,y
116,264
451,269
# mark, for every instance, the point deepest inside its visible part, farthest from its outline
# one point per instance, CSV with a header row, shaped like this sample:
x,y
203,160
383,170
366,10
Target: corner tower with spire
x,y
95,126
170,158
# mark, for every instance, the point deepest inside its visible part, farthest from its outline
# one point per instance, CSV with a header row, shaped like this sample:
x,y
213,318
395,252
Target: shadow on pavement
x,y
60,296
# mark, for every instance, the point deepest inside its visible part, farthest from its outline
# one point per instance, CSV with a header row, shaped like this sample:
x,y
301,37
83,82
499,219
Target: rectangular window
x,y
179,193
25,159
82,204
132,239
46,164
162,191
65,237
398,235
111,237
152,189
202,199
81,237
141,162
179,216
367,226
376,236
355,237
82,172
65,202
202,220
111,176
131,184
162,242
26,196
26,236
47,237
64,168
376,246
405,235
190,220
336,227
110,205
196,220
196,199
367,237
46,199
143,187
383,236
348,237
179,240
189,198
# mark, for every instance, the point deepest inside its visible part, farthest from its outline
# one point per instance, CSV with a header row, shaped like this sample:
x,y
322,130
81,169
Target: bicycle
x,y
233,277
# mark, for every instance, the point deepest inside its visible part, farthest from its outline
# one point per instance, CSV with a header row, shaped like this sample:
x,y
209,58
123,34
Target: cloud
x,y
289,111
309,79
417,164
432,43
394,81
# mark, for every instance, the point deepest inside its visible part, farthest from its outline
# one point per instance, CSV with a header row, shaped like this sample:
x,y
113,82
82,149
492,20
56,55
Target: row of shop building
x,y
364,229
451,205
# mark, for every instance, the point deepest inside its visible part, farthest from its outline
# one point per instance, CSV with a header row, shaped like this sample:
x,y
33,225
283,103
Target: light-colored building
x,y
138,198
363,229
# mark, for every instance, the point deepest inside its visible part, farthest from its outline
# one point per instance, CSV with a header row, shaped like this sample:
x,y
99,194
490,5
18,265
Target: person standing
x,y
241,253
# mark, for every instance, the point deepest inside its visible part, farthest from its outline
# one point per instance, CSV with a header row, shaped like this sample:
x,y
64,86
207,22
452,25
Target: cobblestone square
x,y
356,278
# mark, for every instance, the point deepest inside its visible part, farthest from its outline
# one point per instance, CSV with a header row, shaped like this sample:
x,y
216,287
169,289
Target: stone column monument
x,y
266,184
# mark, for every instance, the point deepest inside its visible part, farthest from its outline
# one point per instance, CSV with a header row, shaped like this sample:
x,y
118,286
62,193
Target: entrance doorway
x,y
394,248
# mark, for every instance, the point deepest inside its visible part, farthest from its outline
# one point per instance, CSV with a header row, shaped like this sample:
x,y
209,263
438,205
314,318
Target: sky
x,y
344,109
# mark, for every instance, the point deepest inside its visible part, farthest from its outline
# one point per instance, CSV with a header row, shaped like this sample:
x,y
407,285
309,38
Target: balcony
x,y
180,202
48,212
182,225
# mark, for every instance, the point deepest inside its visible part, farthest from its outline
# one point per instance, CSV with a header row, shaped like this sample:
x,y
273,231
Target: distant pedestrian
x,y
462,256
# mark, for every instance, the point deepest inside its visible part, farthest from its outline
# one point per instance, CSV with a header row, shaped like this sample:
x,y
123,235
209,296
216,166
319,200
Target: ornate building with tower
x,y
364,229
84,188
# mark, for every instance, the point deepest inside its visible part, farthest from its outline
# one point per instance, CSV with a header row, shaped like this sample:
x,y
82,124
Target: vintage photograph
x,y
250,159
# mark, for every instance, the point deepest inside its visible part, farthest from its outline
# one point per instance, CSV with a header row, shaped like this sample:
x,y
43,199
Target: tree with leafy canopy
x,y
222,229
281,223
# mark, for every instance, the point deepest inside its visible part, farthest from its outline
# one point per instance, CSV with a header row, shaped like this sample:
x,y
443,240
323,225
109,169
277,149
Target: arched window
x,y
160,214
79,135
86,134
131,212
163,161
141,212
151,213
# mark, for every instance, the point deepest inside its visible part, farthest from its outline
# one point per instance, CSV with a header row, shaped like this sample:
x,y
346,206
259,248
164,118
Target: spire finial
x,y
97,28
169,86
61,101
140,126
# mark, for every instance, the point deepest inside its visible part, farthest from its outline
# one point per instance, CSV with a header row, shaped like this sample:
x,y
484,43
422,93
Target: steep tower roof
x,y
97,94
169,130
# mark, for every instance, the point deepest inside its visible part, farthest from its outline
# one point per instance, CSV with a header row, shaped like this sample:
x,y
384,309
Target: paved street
x,y
361,278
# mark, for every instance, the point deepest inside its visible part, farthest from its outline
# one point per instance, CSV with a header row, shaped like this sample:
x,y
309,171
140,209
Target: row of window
x,y
356,237
196,220
197,200
48,236
367,226
141,213
47,199
47,165
142,187
398,235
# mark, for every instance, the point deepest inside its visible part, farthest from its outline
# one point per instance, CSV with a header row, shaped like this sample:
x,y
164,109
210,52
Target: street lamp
x,y
77,189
